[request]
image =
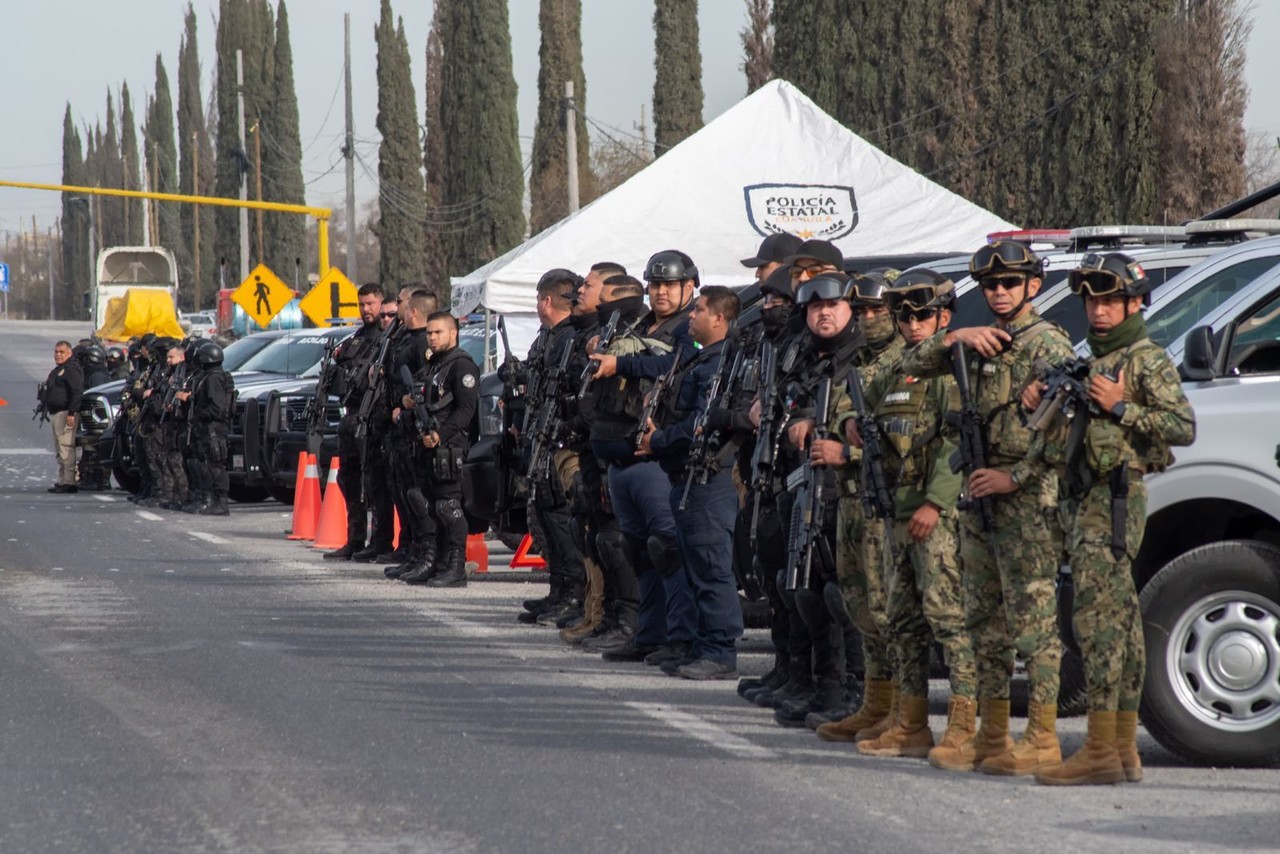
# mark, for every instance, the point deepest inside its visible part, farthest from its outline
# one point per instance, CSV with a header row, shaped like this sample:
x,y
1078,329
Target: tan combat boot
x,y
1127,746
955,751
592,607
910,736
1038,748
876,699
993,733
890,718
1095,763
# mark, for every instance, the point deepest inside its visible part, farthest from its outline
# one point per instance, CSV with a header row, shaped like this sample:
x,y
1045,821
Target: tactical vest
x,y
908,428
997,385
1108,444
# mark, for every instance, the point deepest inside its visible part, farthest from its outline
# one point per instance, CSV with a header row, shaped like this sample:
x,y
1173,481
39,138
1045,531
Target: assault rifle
x,y
313,414
706,442
654,399
592,366
766,450
424,420
546,428
877,497
179,381
808,511
1065,394
41,411
377,380
537,382
972,452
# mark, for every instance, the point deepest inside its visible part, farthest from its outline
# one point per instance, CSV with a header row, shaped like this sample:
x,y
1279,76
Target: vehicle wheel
x,y
247,494
1073,694
1212,623
127,482
283,494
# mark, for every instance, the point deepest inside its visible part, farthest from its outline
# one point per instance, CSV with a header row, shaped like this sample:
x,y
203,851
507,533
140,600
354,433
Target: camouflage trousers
x,y
859,569
1012,603
926,601
1108,621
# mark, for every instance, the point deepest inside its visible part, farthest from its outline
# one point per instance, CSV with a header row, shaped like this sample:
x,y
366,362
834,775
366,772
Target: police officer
x,y
61,401
704,522
859,546
93,474
117,364
173,425
353,358
167,354
640,493
405,454
376,478
1136,411
773,252
212,400
1010,571
451,393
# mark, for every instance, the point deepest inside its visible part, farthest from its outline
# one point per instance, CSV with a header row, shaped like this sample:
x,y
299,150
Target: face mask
x,y
878,329
775,317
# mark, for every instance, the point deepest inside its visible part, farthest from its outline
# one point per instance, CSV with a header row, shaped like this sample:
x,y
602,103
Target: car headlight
x,y
490,415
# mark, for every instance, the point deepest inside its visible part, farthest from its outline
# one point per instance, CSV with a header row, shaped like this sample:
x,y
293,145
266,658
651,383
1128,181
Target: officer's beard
x,y
840,339
775,317
628,308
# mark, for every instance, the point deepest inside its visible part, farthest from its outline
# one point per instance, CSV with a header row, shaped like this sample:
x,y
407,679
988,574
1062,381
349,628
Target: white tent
x,y
773,162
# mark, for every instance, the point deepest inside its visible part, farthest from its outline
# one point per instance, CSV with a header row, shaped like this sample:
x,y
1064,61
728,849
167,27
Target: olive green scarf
x,y
1133,328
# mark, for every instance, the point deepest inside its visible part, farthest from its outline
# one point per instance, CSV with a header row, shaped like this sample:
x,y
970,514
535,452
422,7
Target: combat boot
x,y
197,502
827,694
1127,746
593,615
909,736
420,568
775,678
955,751
874,709
1096,763
799,685
1037,748
876,730
452,570
217,506
344,553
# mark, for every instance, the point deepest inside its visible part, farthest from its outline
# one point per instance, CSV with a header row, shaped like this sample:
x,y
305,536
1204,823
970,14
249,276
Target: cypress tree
x,y
75,223
560,60
757,44
434,246
109,172
134,217
162,155
400,189
677,85
286,234
484,178
194,145
806,48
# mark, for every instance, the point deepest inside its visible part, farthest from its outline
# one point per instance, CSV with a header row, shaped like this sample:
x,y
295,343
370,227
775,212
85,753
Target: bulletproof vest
x,y
908,425
1106,444
997,384
623,397
354,357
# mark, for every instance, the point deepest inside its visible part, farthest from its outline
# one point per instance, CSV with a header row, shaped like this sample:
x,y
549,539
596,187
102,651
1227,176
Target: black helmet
x,y
208,354
670,265
1005,256
824,286
93,354
1111,273
189,348
920,289
114,355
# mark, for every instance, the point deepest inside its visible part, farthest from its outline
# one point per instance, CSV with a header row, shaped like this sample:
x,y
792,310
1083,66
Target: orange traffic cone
x,y
478,552
395,530
306,507
300,477
331,531
522,558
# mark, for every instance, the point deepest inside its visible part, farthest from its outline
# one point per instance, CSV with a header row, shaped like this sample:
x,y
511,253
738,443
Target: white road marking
x,y
150,517
704,730
106,498
16,452
208,538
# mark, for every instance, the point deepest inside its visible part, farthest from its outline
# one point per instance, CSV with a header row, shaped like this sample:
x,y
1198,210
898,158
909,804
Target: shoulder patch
x,y
469,380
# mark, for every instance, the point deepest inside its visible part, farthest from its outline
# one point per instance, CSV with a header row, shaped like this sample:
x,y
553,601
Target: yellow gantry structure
x,y
321,214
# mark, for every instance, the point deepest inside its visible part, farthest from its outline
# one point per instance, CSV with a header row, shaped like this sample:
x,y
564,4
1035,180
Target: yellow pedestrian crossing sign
x,y
333,297
262,295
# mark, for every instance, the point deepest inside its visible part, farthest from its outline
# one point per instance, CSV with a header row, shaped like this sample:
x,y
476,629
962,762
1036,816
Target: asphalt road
x,y
179,683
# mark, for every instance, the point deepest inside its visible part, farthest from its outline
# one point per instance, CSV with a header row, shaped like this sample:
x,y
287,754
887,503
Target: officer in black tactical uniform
x,y
353,357
450,394
404,451
212,401
93,475
151,427
117,364
704,503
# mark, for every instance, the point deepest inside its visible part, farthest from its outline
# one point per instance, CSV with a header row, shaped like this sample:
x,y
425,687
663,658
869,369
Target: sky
x,y
73,50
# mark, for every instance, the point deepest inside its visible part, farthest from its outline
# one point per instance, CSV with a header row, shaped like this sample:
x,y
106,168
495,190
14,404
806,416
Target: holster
x,y
1119,509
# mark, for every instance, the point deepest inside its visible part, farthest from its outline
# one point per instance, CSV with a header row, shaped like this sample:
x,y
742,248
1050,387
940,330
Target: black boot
x,y
798,685
828,695
452,569
344,553
198,501
537,606
218,506
772,679
423,567
409,555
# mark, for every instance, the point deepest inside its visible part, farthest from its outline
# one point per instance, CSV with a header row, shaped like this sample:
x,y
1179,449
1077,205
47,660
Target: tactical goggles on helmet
x,y
825,286
1004,256
920,289
1112,274
868,290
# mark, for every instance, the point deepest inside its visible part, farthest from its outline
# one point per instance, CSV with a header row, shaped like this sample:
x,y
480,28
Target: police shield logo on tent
x,y
809,211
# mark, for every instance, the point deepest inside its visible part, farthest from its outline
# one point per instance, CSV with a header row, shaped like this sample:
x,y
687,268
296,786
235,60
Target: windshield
x,y
293,356
1170,319
235,354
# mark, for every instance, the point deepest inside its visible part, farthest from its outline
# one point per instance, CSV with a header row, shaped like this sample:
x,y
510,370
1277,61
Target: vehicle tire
x,y
1073,694
1212,624
283,494
127,482
247,494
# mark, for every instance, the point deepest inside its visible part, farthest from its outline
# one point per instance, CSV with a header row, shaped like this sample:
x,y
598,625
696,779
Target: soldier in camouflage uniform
x,y
1135,411
857,545
1010,572
925,599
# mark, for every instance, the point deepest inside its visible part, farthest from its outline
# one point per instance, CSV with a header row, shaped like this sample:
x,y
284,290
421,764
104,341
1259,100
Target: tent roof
x,y
772,162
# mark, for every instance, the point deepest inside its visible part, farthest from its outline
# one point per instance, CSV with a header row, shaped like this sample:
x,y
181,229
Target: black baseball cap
x,y
774,248
819,250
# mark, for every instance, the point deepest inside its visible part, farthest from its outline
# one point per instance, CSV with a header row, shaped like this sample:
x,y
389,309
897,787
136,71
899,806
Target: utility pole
x,y
195,217
349,152
571,142
257,165
244,178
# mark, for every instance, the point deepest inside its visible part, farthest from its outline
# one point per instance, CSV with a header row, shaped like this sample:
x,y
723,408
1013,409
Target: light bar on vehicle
x,y
1116,236
1046,236
1219,227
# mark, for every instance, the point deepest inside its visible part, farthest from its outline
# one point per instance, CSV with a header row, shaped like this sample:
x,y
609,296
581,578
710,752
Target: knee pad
x,y
834,599
664,553
612,547
788,596
813,610
638,552
446,509
578,531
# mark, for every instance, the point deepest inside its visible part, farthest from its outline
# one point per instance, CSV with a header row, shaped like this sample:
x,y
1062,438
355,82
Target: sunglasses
x,y
1005,254
389,314
921,314
991,283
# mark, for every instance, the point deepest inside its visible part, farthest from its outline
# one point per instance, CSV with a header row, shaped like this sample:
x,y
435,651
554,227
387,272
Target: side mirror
x,y
1198,357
